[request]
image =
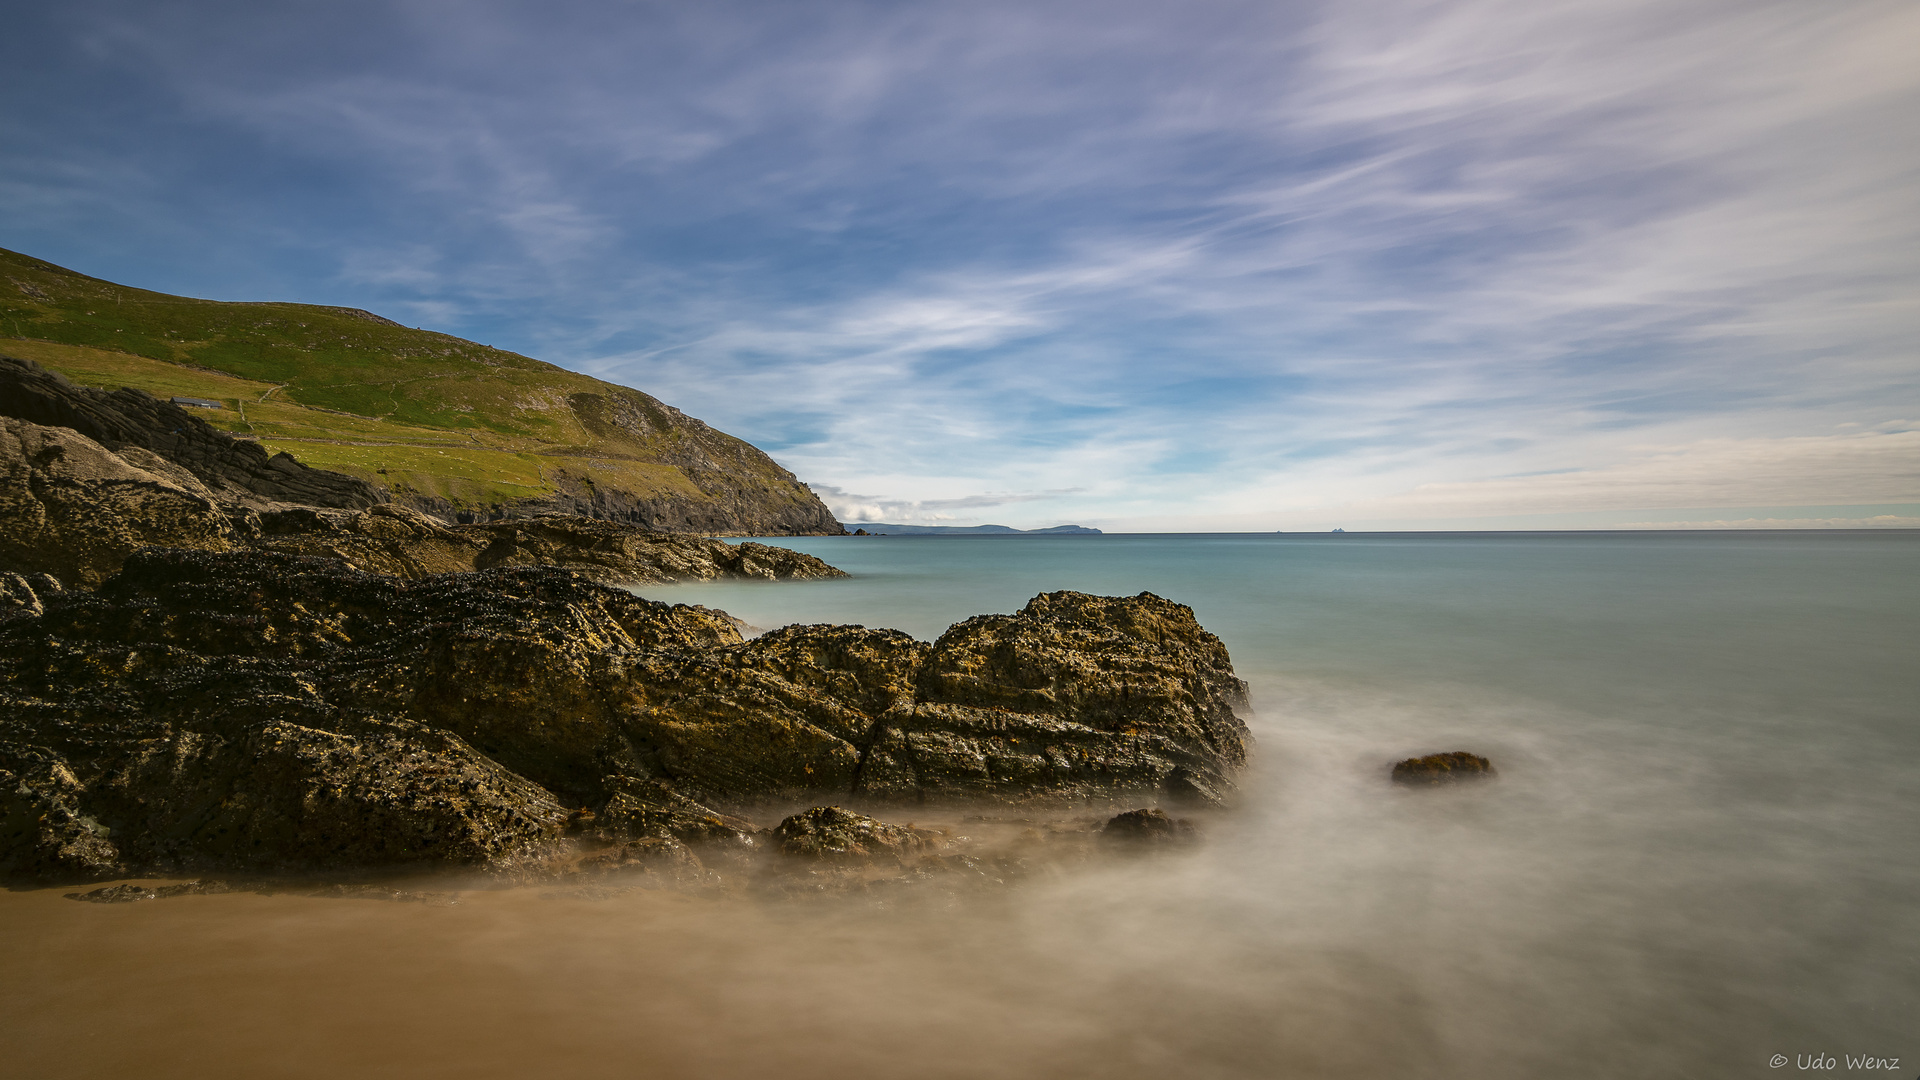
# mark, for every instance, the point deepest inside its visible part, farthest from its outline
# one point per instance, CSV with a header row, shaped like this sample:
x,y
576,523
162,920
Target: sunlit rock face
x,y
72,508
261,711
1075,695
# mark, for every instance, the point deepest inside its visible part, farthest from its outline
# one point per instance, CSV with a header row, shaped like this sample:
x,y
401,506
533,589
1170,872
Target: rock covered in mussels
x,y
208,711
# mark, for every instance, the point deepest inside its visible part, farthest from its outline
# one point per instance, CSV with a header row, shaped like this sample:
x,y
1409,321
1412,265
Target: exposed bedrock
x,y
236,470
73,508
207,710
404,542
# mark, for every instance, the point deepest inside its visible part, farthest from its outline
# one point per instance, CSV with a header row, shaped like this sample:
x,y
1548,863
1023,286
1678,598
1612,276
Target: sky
x,y
1141,266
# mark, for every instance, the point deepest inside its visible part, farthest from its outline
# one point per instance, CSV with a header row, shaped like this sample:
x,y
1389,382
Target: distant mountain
x,y
457,429
883,529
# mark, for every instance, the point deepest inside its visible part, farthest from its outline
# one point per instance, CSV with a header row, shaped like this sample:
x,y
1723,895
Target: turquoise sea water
x,y
1703,849
1701,857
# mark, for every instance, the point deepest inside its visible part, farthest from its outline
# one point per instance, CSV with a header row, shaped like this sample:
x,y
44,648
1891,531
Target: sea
x,y
1700,856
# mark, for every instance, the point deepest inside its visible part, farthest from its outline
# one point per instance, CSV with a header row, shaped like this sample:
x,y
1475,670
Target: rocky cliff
x,y
73,509
269,712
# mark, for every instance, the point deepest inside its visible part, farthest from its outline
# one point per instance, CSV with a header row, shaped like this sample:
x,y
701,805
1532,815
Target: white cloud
x,y
1875,521
1868,467
1199,262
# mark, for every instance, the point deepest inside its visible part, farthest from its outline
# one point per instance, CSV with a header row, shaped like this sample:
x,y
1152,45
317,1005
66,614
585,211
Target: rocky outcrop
x,y
1051,699
71,508
742,492
258,710
1438,769
829,832
234,470
612,551
406,543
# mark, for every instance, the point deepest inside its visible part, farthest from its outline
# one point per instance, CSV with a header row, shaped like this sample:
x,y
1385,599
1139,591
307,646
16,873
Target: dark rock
x,y
1148,826
1442,769
268,712
132,894
620,552
381,540
829,832
652,855
639,809
46,827
1075,696
71,507
235,469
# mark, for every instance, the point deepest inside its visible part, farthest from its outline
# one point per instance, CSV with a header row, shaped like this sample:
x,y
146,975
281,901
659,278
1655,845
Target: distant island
x,y
869,528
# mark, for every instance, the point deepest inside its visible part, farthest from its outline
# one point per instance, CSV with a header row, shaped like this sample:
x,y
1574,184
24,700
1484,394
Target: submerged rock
x,y
1148,826
1442,769
269,712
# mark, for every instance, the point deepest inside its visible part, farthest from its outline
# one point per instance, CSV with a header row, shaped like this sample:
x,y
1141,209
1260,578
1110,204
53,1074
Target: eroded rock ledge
x,y
73,508
264,712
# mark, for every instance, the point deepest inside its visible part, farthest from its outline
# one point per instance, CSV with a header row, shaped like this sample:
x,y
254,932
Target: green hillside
x,y
437,419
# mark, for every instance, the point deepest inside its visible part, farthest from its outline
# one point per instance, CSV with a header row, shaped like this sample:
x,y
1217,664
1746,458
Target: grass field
x,y
346,390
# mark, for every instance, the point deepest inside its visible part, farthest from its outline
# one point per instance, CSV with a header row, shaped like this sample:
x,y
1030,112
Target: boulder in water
x,y
1437,769
1148,826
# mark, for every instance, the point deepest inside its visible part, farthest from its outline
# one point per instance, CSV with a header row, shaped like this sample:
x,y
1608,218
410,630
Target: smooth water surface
x,y
1703,850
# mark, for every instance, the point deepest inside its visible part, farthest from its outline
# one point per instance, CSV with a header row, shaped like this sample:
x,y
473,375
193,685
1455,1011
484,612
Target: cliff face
x,y
459,430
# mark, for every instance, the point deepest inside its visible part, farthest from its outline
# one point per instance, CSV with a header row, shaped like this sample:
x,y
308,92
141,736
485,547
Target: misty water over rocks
x,y
1699,852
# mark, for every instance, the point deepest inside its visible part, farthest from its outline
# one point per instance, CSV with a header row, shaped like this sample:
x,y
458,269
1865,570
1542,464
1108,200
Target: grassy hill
x,y
444,423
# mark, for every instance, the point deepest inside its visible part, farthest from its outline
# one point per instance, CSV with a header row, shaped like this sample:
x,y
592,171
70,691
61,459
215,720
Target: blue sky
x,y
1197,265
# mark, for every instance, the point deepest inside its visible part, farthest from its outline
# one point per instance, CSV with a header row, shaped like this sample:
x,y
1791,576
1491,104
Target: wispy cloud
x,y
1188,263
1875,521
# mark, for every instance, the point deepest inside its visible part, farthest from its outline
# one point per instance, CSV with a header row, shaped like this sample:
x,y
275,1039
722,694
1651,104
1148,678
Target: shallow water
x,y
1700,852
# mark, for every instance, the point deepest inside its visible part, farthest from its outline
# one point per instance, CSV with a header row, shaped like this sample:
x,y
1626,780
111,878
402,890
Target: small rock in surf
x,y
1435,769
1148,826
